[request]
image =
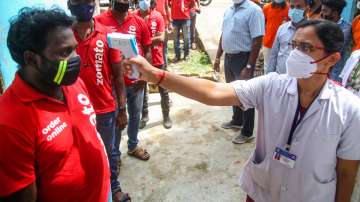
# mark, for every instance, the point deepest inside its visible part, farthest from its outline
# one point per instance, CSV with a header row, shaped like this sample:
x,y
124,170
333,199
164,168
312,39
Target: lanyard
x,y
294,125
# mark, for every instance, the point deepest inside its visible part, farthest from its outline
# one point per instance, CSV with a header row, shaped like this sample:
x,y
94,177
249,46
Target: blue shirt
x,y
241,24
281,49
346,29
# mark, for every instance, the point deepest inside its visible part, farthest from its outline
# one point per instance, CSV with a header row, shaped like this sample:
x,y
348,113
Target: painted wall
x,y
7,66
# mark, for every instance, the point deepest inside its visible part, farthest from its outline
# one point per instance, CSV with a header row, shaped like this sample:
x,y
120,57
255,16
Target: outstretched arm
x,y
205,91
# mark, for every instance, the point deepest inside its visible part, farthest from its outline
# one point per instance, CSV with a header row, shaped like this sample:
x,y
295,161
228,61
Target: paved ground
x,y
194,161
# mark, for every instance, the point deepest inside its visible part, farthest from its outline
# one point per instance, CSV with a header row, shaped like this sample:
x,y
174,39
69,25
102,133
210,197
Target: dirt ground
x,y
193,161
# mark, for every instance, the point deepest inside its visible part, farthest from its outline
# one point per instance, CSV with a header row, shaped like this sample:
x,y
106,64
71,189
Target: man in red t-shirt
x,y
163,7
155,23
180,13
275,13
100,71
49,147
119,19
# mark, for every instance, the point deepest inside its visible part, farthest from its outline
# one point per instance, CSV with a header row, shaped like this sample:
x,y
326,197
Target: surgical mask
x,y
300,65
120,7
60,73
238,1
279,1
296,15
83,12
144,4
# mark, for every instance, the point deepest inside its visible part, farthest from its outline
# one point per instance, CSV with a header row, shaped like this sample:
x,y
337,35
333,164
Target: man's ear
x,y
31,59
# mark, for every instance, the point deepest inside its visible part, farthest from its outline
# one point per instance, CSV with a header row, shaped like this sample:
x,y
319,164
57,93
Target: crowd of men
x,y
64,133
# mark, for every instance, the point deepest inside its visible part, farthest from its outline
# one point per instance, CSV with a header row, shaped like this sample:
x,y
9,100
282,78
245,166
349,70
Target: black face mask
x,y
120,7
60,73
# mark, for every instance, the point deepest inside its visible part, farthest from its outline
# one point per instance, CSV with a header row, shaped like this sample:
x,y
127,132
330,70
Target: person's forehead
x,y
307,35
60,37
297,2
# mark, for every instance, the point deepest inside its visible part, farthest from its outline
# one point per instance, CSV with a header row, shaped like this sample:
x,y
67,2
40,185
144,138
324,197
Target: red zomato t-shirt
x,y
52,143
180,9
160,6
155,23
131,25
96,59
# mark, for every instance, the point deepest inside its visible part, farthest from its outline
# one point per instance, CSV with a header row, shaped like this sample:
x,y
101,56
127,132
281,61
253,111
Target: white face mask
x,y
358,5
299,65
238,1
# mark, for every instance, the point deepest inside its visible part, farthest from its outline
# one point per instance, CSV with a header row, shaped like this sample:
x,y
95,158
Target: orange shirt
x,y
356,33
274,17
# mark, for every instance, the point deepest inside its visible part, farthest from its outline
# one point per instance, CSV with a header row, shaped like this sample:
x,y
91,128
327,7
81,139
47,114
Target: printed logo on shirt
x,y
54,129
153,28
132,30
88,109
99,56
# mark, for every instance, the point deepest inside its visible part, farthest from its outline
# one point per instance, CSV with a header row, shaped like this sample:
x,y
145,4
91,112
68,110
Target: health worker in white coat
x,y
308,133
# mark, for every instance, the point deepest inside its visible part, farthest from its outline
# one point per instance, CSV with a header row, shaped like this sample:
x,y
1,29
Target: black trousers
x,y
234,63
164,94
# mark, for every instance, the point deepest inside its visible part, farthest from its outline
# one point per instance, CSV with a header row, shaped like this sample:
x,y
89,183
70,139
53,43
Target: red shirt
x,y
161,7
52,143
155,23
132,25
96,59
180,9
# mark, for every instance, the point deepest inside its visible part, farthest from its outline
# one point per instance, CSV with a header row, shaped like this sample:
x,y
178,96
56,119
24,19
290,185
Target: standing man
x,y
49,147
331,10
119,19
194,11
100,69
242,32
155,23
164,8
180,13
313,9
276,13
281,49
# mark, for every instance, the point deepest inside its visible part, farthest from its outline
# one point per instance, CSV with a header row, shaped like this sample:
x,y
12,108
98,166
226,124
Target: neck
x,y
83,29
120,17
296,24
38,84
144,13
336,19
312,86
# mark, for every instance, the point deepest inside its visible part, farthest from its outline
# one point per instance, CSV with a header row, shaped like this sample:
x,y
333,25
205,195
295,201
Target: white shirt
x,y
329,129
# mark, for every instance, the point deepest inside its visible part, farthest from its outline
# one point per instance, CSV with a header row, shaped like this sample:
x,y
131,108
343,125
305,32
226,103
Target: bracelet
x,y
162,76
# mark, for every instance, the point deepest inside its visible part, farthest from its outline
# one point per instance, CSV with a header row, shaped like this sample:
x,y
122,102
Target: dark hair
x,y
278,5
30,27
329,33
335,5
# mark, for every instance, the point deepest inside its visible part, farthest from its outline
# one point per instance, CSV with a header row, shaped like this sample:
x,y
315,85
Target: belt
x,y
237,54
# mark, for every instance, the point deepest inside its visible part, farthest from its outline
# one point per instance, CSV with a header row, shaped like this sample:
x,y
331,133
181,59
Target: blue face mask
x,y
144,5
83,12
296,15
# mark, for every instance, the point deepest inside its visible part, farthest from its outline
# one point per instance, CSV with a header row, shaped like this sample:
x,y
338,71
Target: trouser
x,y
165,50
164,94
192,27
184,26
234,63
266,53
105,125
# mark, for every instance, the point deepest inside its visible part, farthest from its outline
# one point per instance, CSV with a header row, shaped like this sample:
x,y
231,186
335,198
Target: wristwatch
x,y
249,66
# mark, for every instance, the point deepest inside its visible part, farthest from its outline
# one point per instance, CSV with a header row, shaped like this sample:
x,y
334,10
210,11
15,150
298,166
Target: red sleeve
x,y
114,56
145,34
161,23
17,159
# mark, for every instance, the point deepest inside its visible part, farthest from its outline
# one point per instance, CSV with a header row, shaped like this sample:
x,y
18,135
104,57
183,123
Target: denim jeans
x,y
134,106
183,25
193,27
105,124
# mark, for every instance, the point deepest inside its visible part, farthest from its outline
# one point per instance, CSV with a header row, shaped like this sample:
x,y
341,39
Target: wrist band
x,y
162,76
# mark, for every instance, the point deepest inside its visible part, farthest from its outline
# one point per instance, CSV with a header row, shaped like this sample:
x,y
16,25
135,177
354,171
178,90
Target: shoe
x,y
187,58
143,121
176,60
167,123
193,46
231,125
241,139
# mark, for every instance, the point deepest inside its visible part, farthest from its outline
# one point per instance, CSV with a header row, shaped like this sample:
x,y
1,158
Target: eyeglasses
x,y
304,47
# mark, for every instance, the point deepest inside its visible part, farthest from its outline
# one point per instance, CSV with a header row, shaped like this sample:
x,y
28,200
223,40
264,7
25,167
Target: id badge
x,y
284,157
